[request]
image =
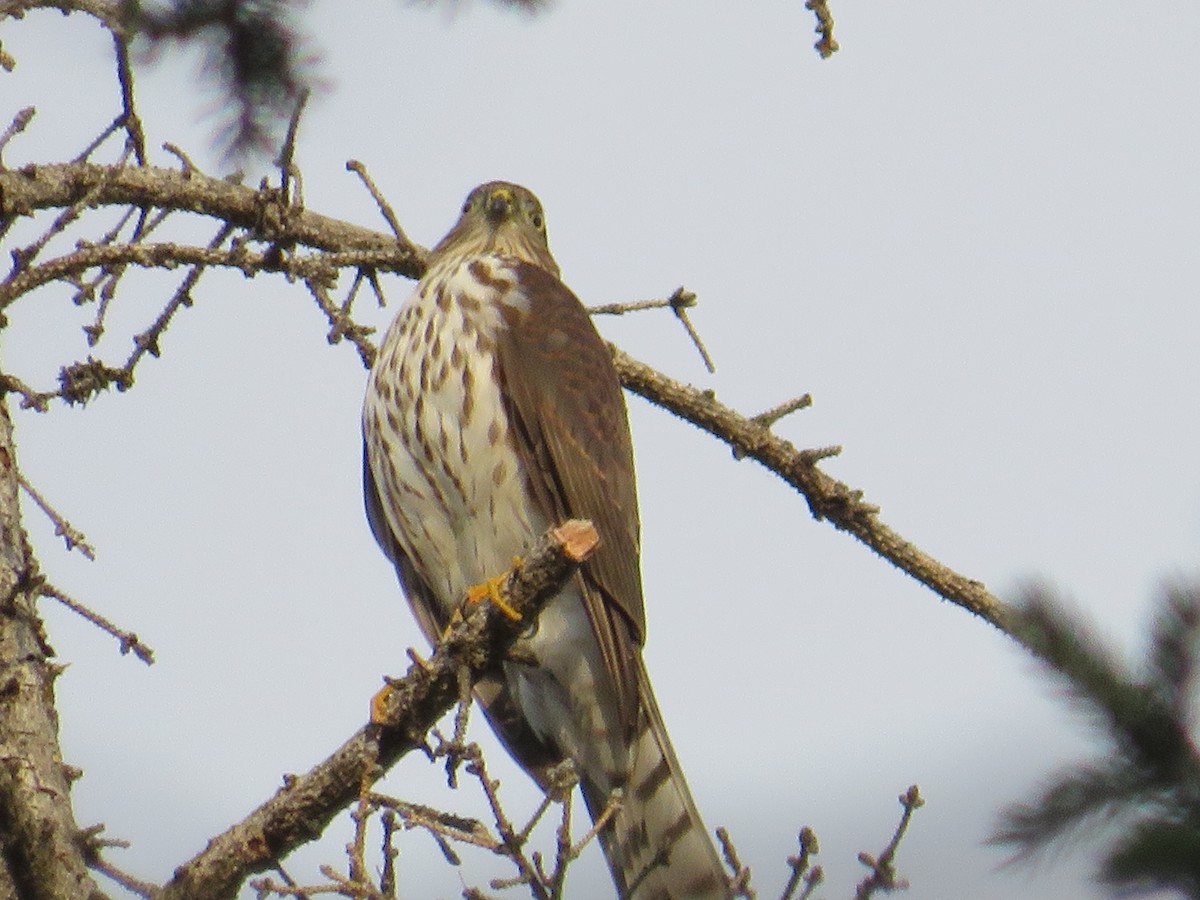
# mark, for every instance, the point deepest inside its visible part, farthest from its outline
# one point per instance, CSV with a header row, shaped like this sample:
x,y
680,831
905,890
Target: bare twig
x,y
108,131
385,208
739,884
775,413
799,864
679,302
73,537
129,640
18,124
30,398
92,845
184,160
511,844
387,877
288,173
340,323
129,117
620,309
882,876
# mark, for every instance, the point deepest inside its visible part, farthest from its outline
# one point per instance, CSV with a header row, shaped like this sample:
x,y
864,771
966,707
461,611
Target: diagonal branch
x,y
303,807
827,497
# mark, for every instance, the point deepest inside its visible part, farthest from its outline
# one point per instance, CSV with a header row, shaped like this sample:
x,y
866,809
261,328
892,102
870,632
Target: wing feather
x,y
566,407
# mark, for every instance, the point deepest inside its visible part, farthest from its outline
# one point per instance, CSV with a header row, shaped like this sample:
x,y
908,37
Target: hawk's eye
x,y
536,219
466,206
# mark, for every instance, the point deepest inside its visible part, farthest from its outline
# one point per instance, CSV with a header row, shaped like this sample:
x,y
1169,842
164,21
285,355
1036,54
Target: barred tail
x,y
656,844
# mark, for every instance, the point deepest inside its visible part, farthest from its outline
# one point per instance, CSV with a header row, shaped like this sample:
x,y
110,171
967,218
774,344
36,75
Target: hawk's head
x,y
501,218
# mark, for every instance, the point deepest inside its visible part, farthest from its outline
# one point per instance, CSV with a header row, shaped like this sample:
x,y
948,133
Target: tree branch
x,y
43,856
303,807
827,497
34,187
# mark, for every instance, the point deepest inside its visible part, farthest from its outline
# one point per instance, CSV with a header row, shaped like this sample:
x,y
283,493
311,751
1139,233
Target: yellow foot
x,y
380,698
379,705
490,590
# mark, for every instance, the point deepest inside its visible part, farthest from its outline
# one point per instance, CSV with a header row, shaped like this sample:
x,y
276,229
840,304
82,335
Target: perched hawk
x,y
492,413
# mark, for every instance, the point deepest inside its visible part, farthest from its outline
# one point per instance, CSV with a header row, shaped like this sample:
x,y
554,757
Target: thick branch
x,y
303,807
42,855
28,189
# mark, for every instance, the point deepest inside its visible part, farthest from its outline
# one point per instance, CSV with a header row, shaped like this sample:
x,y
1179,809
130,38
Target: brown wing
x,y
566,408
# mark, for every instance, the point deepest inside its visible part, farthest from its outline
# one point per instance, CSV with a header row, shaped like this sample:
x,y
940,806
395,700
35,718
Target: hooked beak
x,y
499,204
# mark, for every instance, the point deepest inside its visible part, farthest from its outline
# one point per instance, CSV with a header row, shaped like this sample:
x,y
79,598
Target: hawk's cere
x,y
493,412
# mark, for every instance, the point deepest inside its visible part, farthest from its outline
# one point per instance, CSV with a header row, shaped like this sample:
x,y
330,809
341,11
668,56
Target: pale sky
x,y
971,235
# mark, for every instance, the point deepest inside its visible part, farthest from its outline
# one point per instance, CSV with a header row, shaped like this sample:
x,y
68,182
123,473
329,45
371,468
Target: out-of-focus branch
x,y
302,808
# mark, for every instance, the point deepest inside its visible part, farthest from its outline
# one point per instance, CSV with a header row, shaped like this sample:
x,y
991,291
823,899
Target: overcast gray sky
x,y
971,235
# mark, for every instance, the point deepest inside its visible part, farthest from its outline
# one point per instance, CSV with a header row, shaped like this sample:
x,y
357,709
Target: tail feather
x,y
656,844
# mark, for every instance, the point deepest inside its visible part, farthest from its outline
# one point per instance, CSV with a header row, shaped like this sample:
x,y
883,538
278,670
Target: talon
x,y
379,705
490,590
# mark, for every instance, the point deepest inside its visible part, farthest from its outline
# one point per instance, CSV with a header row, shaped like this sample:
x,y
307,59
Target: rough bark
x,y
42,856
301,809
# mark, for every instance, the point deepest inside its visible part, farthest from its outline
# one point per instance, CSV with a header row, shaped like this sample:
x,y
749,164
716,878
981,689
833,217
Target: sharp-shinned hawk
x,y
493,412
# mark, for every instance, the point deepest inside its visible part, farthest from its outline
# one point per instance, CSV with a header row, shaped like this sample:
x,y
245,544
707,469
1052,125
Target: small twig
x,y
129,882
825,45
129,117
341,325
110,275
453,749
18,124
775,413
385,208
620,309
680,301
92,844
147,341
30,398
73,537
739,884
387,877
129,640
511,845
357,851
287,169
460,828
883,869
112,128
185,161
373,277
799,866
297,891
